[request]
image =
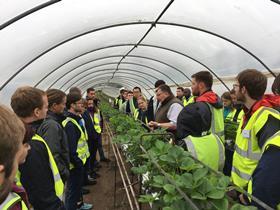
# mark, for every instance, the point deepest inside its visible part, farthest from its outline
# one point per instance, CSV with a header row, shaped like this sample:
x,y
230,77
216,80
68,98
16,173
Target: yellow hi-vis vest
x,y
247,152
208,149
217,122
232,114
184,101
136,114
58,184
131,106
190,101
82,147
96,121
11,200
272,141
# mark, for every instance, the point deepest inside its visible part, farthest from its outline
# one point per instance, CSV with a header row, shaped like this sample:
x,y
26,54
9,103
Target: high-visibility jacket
x,y
208,149
217,122
247,152
272,141
231,115
184,101
58,183
136,115
132,106
11,200
190,100
96,121
82,147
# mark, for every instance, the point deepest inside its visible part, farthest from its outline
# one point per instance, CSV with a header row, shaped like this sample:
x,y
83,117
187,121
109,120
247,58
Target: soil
x,y
102,195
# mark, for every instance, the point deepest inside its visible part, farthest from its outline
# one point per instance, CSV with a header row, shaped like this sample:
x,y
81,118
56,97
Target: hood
x,y
211,98
268,100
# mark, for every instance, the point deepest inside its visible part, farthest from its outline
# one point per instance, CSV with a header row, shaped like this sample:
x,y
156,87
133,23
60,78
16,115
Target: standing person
x,y
90,93
256,157
127,97
132,103
153,103
202,88
53,133
39,174
228,105
78,150
120,99
141,112
12,153
168,111
180,93
187,98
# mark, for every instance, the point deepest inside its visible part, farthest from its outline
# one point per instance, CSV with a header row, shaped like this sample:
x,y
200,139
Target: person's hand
x,y
243,199
153,124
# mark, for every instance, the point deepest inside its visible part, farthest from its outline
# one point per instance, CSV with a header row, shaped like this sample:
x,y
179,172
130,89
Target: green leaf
x,y
187,180
198,196
219,204
187,164
241,207
139,170
164,158
158,181
199,174
223,182
205,187
169,188
168,198
216,194
146,198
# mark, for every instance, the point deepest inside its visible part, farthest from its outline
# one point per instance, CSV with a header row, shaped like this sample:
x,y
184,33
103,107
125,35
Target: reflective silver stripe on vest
x,y
190,147
11,196
80,145
213,124
248,154
221,154
241,174
268,140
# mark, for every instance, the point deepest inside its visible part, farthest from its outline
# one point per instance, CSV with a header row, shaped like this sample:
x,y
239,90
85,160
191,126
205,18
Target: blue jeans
x,y
74,188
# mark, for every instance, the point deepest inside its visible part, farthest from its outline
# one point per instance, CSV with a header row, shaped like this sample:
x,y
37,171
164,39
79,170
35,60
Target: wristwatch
x,y
158,125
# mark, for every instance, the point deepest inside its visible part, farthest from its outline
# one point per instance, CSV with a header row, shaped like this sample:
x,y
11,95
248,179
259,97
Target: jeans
x,y
100,148
74,188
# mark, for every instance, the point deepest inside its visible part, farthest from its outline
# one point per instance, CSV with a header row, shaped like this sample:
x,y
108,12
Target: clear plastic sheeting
x,y
81,43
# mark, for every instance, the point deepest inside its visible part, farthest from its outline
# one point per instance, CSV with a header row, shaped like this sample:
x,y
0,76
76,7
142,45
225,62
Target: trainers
x,y
86,206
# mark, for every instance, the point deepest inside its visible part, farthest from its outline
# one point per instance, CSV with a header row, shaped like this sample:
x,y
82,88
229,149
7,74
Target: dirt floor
x,y
102,194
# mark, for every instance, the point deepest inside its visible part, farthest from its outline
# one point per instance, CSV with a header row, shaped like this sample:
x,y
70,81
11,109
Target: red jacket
x,y
21,192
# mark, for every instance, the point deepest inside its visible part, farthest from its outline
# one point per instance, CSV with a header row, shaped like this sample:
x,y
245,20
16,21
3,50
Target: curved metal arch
x,y
111,56
122,78
126,83
132,23
111,69
28,12
104,64
77,83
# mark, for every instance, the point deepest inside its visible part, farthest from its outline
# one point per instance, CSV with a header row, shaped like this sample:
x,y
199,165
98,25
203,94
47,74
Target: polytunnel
x,y
121,44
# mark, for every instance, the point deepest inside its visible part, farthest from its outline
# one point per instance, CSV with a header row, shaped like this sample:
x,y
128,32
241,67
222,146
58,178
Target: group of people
x,y
198,124
48,149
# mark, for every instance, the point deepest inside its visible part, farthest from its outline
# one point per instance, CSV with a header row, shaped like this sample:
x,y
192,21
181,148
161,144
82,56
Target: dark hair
x,y
72,98
55,96
26,99
232,92
187,92
137,88
130,92
90,89
254,82
12,133
122,91
75,90
180,88
159,82
165,88
276,85
205,77
226,95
